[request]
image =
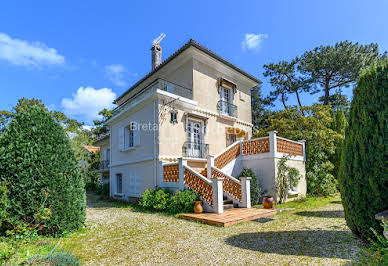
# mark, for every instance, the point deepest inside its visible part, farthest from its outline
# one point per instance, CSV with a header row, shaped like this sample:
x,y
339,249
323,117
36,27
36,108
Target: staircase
x,y
228,203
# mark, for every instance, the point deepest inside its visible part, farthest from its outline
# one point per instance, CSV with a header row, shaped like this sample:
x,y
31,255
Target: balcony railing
x,y
104,165
164,85
195,150
227,108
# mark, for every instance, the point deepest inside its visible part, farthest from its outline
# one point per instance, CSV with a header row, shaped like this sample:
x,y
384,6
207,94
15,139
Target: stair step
x,y
226,201
228,206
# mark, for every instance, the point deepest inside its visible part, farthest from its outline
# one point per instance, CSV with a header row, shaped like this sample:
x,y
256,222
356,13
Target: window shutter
x,y
136,135
121,138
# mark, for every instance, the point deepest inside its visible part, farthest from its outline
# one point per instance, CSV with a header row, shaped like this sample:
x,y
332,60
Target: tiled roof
x,y
190,43
92,148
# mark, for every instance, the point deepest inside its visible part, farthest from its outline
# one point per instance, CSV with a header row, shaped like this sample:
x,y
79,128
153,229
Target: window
x,y
173,117
119,183
129,136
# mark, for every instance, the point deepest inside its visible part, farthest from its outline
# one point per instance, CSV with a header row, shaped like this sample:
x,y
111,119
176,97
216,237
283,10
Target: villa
x,y
188,124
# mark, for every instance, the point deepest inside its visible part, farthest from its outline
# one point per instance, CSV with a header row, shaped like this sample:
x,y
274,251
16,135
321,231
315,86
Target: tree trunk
x,y
327,90
284,102
300,105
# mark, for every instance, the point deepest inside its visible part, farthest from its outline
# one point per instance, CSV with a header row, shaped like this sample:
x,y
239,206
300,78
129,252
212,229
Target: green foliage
x,y
103,190
339,125
286,179
380,245
254,185
37,162
364,170
259,105
4,204
182,201
286,80
164,200
57,259
100,128
332,67
315,128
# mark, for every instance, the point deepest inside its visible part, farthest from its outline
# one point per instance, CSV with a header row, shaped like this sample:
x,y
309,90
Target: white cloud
x,y
87,102
20,52
253,41
116,74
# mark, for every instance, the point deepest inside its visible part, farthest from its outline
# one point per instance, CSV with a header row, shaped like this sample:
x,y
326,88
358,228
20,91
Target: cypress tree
x,y
39,167
364,168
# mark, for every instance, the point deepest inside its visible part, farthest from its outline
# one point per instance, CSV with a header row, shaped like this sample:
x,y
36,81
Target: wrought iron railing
x,y
164,85
195,150
104,165
227,108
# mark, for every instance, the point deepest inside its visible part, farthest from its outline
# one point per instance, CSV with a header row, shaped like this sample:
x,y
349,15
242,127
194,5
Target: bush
x,y
315,128
3,203
255,187
41,171
182,201
58,259
164,200
92,186
103,190
364,172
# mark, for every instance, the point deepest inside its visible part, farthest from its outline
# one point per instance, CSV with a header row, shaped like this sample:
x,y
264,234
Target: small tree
x,y
38,165
287,178
254,185
364,172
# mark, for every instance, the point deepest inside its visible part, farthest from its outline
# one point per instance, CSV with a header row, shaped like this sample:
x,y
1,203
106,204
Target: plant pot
x,y
198,207
268,202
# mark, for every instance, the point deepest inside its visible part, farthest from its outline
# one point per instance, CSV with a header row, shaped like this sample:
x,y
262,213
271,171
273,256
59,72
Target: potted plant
x,y
268,202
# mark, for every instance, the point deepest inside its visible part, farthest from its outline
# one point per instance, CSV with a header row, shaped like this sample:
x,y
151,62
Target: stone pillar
x,y
272,143
181,163
218,197
210,165
246,192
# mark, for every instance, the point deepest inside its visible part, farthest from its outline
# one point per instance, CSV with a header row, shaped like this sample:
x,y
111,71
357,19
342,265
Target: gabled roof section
x,y
190,43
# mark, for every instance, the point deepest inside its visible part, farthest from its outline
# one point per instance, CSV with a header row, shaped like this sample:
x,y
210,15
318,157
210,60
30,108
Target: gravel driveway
x,y
121,235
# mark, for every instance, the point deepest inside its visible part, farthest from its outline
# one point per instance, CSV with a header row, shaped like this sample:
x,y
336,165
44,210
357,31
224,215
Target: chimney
x,y
156,55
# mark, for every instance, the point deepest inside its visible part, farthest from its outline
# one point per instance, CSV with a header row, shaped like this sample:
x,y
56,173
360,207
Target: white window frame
x,y
129,136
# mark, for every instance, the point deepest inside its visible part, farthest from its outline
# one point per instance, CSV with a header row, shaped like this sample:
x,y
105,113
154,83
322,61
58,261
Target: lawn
x,y
312,231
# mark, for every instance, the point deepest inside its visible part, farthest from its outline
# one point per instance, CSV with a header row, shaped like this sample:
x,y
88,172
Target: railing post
x,y
272,143
210,165
217,195
181,163
241,145
304,148
246,192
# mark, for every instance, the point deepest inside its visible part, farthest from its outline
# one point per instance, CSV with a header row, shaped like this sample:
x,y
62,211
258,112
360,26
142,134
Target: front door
x,y
194,138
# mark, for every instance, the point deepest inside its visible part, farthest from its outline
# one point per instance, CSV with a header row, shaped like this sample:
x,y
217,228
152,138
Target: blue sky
x,y
77,56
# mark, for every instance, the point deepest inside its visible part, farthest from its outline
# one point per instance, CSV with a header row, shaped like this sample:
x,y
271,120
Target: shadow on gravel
x,y
320,244
325,214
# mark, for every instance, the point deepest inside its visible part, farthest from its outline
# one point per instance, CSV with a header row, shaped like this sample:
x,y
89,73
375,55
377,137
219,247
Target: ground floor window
x,y
119,183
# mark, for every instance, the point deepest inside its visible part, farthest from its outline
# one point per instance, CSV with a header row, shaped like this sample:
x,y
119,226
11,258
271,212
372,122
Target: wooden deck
x,y
229,217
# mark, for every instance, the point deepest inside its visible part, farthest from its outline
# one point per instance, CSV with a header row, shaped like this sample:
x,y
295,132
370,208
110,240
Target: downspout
x,y
154,159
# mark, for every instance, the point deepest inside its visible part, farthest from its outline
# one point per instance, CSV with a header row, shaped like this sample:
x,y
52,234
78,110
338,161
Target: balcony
x,y
101,166
226,108
195,150
160,84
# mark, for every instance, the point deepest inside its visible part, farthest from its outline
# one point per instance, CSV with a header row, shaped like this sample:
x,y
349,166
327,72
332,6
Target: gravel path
x,y
118,235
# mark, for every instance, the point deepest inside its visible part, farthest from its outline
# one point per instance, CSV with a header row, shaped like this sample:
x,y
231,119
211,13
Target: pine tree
x,y
364,169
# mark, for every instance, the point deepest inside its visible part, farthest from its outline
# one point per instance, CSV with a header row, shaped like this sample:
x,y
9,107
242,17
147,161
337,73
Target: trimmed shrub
x,y
182,201
164,200
41,171
364,169
3,203
255,187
